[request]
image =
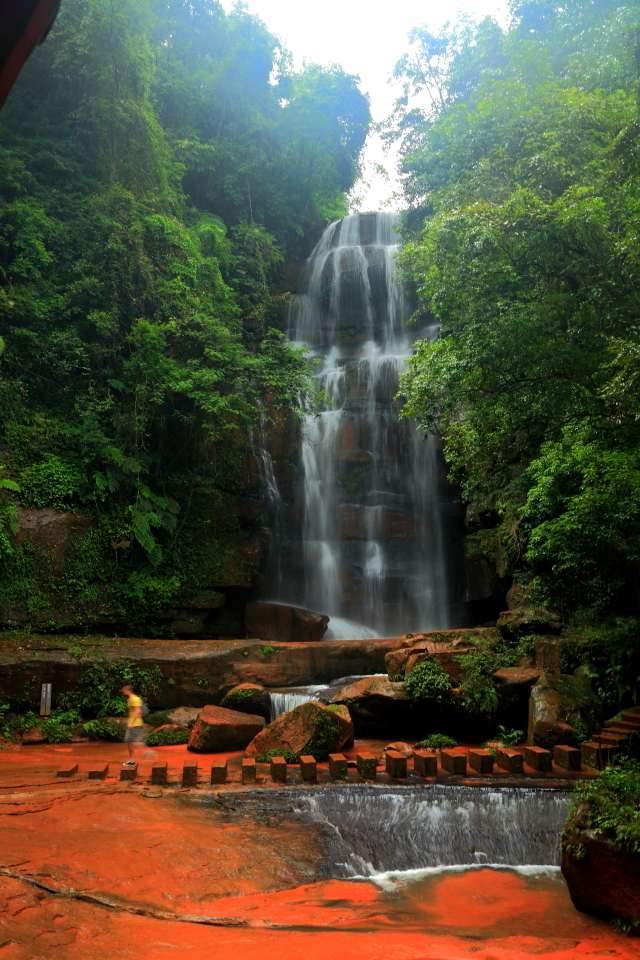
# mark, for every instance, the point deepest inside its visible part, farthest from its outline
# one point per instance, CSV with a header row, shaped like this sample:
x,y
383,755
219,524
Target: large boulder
x,y
313,728
249,698
278,622
377,706
219,731
603,879
443,645
184,716
556,705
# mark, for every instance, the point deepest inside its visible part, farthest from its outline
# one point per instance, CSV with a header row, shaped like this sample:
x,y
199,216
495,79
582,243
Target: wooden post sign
x,y
45,700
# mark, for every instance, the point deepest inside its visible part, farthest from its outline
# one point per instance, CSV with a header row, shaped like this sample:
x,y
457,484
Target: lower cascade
x,y
369,546
371,831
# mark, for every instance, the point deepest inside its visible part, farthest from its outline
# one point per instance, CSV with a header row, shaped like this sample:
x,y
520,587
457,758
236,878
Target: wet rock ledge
x,y
197,672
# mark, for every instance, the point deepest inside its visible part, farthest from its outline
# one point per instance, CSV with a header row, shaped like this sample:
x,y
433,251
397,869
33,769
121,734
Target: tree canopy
x,y
159,161
521,176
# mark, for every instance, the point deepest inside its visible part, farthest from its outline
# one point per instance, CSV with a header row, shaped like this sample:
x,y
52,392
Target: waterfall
x,y
373,829
368,542
281,701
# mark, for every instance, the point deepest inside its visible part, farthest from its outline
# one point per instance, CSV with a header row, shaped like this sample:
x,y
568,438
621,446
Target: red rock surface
x,y
218,730
603,882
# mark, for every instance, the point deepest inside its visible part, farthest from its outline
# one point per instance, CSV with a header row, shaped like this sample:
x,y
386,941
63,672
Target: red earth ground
x,y
104,870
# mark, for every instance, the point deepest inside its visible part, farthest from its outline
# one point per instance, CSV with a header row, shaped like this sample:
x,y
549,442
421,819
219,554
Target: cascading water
x,y
288,698
373,830
368,547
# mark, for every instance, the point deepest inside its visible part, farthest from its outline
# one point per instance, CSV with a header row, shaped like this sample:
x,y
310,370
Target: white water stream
x,y
368,546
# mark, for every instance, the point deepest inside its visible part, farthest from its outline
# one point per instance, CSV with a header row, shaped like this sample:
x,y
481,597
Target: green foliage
x,y
238,698
436,741
609,806
326,729
521,176
289,755
100,682
509,737
428,681
159,163
268,651
158,718
477,688
167,738
105,730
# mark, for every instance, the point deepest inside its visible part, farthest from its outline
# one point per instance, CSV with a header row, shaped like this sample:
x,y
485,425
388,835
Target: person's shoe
x,y
129,763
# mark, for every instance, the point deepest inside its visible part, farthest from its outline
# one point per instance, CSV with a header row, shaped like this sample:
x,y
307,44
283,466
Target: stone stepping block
x,y
509,760
620,726
425,764
159,774
595,756
569,758
309,769
396,764
129,773
67,771
190,774
278,769
248,770
337,766
453,761
367,765
219,771
631,718
610,738
538,758
481,761
98,773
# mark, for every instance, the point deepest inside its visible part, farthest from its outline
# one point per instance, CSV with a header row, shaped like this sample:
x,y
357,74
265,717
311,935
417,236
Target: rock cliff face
x,y
197,672
602,880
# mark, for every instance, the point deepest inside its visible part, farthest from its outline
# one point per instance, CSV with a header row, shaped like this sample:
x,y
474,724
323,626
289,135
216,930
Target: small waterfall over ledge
x,y
368,546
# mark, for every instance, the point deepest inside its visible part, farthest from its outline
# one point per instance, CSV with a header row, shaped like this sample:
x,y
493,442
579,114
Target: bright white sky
x,y
366,37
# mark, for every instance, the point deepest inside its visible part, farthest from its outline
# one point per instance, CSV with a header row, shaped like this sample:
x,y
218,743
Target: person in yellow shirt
x,y
135,723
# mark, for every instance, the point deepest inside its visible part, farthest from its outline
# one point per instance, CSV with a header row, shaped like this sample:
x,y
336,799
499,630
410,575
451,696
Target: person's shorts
x,y
134,734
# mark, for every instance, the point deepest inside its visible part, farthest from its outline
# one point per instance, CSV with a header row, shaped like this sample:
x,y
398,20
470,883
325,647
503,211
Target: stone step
x,y
278,769
309,769
596,756
99,772
396,764
337,766
425,764
248,770
620,726
453,761
569,758
190,774
538,758
159,774
367,764
481,761
510,760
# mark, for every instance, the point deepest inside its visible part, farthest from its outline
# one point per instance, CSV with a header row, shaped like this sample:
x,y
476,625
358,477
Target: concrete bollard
x,y
396,764
453,762
425,764
595,756
219,771
538,758
510,760
309,769
190,774
481,760
98,773
129,773
248,770
159,774
337,766
278,769
367,765
569,758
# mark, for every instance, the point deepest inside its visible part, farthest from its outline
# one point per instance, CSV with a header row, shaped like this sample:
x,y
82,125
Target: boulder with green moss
x,y
249,698
562,709
314,729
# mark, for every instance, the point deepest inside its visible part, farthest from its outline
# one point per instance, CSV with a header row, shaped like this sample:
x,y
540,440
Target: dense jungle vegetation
x,y
159,162
520,155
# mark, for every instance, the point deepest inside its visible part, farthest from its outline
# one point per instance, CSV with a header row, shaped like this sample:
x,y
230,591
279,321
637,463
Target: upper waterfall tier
x,y
367,540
